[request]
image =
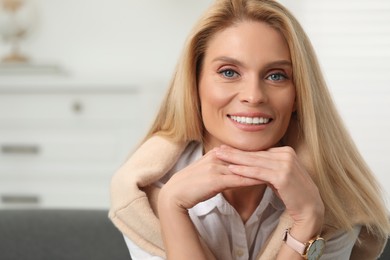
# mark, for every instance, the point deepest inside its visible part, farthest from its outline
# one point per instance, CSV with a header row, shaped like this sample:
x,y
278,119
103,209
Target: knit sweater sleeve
x,y
131,208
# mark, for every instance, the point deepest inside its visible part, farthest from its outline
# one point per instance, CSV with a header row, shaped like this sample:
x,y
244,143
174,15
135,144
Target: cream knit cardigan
x,y
134,204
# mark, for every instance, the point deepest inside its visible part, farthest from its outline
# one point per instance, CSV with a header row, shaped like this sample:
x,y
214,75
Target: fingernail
x,y
231,167
219,152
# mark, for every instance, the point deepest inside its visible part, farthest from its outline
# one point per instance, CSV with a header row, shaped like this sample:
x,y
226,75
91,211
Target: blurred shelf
x,y
31,69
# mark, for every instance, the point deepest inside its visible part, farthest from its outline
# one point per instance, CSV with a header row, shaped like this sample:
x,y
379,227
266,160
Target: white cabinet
x,y
59,146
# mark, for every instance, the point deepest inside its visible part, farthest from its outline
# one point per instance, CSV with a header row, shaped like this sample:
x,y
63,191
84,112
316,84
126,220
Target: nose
x,y
253,92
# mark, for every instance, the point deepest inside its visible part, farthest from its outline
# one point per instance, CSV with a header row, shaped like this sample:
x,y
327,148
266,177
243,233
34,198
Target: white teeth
x,y
250,120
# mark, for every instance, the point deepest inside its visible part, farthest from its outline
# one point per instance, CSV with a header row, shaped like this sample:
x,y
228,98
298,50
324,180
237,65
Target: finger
x,y
210,157
247,159
224,169
209,168
282,149
261,174
237,181
264,154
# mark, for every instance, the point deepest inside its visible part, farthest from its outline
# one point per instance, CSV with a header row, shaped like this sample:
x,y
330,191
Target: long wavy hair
x,y
334,161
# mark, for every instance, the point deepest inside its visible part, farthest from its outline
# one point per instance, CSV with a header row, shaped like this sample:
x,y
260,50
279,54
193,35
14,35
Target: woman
x,y
247,157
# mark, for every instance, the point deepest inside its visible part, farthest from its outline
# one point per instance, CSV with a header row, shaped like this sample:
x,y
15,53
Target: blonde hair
x,y
335,162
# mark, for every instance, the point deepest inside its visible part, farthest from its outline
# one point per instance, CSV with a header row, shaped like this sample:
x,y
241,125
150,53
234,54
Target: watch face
x,y
316,249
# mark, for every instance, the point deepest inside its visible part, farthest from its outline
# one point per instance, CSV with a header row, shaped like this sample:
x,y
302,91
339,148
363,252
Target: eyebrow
x,y
229,60
239,63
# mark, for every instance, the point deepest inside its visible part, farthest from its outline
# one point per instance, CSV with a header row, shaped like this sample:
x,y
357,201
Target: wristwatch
x,y
311,250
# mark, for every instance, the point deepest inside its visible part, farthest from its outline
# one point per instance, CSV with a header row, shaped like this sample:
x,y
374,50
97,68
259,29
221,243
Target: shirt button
x,y
239,252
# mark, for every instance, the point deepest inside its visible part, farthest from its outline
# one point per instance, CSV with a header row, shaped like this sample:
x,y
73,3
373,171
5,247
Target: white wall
x,y
113,38
141,40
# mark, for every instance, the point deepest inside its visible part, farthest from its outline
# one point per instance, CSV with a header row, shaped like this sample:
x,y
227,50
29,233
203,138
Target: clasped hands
x,y
225,168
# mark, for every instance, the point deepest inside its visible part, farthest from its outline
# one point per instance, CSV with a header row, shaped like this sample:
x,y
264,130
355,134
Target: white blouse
x,y
221,227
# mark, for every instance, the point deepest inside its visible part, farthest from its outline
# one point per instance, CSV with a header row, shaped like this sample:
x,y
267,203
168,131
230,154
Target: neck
x,y
245,200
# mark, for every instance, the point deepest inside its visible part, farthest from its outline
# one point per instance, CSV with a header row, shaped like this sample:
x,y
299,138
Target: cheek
x,y
285,106
212,97
287,103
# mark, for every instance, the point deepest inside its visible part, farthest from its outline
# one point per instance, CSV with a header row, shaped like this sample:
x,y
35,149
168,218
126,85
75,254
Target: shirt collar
x,y
216,202
220,203
275,201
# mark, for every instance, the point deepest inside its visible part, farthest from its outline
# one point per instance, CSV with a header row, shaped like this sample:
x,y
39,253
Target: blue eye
x,y
229,73
277,77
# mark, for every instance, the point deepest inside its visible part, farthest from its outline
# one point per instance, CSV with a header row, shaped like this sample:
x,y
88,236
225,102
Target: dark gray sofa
x,y
60,235
65,235
386,253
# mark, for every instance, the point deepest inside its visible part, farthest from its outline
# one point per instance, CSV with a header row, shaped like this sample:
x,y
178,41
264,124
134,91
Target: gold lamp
x,y
16,20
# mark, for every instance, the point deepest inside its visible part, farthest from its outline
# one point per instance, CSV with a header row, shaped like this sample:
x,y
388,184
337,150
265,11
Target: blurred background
x,y
80,81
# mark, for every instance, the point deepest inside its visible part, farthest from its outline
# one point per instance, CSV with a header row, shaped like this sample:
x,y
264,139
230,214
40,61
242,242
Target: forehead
x,y
248,41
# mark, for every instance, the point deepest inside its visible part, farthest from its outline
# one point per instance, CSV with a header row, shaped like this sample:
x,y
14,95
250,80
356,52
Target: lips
x,y
251,120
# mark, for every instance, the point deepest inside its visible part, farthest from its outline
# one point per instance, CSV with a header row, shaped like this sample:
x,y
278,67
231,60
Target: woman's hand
x,y
202,180
280,168
195,183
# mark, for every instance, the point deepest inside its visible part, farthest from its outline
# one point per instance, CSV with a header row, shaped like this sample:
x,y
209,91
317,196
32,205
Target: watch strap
x,y
293,243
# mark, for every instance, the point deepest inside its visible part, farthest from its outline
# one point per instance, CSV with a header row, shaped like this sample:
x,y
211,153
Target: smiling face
x,y
246,89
